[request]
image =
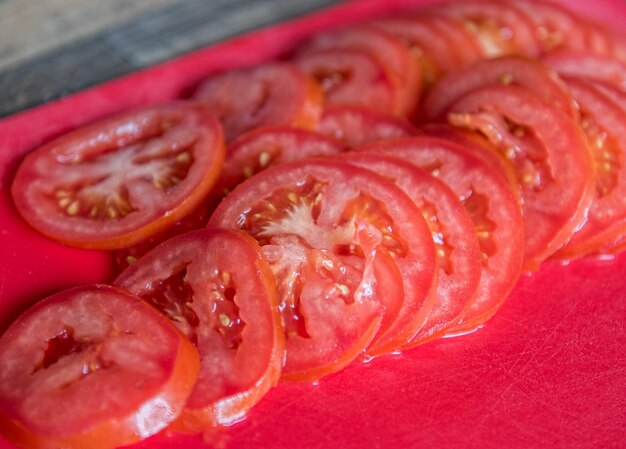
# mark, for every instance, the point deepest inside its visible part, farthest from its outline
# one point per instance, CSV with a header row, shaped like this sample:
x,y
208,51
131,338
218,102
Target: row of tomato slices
x,y
384,185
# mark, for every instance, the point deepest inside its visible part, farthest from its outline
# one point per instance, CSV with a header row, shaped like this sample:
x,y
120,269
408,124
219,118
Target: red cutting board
x,y
549,370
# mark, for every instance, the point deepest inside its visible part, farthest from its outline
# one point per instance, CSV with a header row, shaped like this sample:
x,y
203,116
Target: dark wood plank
x,y
152,37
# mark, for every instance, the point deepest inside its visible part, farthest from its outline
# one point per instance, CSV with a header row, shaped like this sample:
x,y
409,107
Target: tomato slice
x,y
269,94
385,47
261,148
353,77
550,154
119,181
333,234
512,70
492,207
456,243
355,125
92,367
479,147
426,43
499,27
601,68
215,287
604,124
555,27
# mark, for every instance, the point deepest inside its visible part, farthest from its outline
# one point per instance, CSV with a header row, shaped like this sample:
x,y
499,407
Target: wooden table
x,y
51,48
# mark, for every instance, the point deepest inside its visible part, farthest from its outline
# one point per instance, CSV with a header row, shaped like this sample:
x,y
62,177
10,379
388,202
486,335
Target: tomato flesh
x,y
355,125
385,47
328,230
118,371
264,147
604,124
551,157
117,182
515,71
456,244
492,207
499,28
214,286
269,94
352,76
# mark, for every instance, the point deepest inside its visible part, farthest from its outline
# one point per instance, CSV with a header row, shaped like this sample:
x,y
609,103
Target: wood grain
x,y
52,48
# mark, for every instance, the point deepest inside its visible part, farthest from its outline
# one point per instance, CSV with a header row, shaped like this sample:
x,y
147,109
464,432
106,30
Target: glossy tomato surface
x,y
456,244
216,288
119,181
545,371
92,367
345,245
269,94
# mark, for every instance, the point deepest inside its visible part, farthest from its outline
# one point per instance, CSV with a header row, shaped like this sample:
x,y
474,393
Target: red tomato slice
x,y
555,27
353,77
456,243
425,41
269,94
550,154
516,71
355,125
92,367
119,181
479,147
491,205
384,46
215,287
602,68
333,235
498,27
261,148
605,126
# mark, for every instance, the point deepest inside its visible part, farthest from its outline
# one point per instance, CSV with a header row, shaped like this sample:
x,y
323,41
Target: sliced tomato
x,y
551,157
92,367
602,68
269,94
119,181
215,287
353,77
491,205
499,27
456,243
385,47
356,125
261,148
479,147
604,124
426,43
334,235
555,27
516,71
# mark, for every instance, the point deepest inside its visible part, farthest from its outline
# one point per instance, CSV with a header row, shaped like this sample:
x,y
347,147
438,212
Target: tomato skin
x,y
145,411
458,253
385,47
352,76
355,125
315,237
512,70
551,156
499,28
266,146
276,93
492,206
240,359
171,154
605,125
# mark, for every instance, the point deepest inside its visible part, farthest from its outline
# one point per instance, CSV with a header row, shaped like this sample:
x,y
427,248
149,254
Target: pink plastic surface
x,y
549,370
